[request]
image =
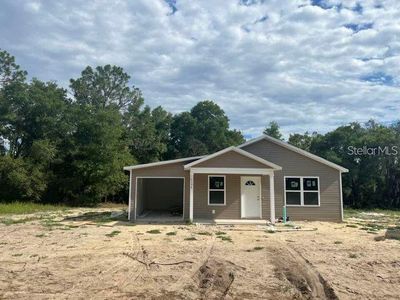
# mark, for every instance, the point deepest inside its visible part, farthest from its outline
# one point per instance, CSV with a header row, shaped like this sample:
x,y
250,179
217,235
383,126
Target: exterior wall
x,y
295,164
201,209
169,170
231,159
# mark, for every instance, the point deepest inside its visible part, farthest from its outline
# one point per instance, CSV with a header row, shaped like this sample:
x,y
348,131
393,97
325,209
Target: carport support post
x,y
272,197
191,197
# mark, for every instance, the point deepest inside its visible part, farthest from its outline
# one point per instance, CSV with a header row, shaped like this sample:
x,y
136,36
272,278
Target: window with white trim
x,y
302,191
216,190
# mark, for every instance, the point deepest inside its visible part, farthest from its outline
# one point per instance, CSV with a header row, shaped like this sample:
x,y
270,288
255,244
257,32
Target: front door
x,y
251,197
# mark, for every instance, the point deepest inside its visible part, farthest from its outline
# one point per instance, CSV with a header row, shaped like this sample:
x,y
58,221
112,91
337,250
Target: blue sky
x,y
307,64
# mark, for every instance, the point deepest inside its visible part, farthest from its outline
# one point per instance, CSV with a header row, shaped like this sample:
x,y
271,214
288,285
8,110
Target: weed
x,y
192,238
379,238
9,222
270,231
171,233
17,254
220,233
338,242
353,255
258,248
204,233
154,231
226,238
113,233
352,225
40,235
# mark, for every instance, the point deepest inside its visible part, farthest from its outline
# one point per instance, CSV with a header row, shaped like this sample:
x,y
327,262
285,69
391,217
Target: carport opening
x,y
159,198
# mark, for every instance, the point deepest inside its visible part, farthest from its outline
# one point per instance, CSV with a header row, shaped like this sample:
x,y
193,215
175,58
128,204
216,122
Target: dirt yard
x,y
82,254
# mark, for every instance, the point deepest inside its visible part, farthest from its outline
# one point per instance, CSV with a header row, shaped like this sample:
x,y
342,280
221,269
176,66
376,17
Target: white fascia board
x,y
159,163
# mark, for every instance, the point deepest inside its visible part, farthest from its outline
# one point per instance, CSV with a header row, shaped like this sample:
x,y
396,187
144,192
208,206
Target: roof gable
x,y
295,149
232,157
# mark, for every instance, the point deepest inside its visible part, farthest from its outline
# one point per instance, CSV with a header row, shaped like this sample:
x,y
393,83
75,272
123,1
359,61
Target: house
x,y
253,182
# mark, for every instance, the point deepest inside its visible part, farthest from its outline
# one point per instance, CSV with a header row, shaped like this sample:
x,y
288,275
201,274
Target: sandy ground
x,y
55,258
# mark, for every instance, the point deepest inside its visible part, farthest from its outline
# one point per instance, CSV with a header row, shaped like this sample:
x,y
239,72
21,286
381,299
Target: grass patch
x,y
192,238
50,224
204,233
270,231
9,222
99,217
352,225
220,233
17,254
257,248
226,238
338,242
171,233
353,255
40,235
154,231
113,233
28,208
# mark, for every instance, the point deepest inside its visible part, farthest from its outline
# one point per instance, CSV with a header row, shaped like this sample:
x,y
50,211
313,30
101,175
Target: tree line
x,y
69,146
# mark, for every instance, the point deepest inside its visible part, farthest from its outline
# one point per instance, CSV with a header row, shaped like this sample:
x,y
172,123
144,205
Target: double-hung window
x,y
302,191
216,190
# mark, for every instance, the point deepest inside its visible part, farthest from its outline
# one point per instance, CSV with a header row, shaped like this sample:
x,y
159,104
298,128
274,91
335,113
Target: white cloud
x,y
287,61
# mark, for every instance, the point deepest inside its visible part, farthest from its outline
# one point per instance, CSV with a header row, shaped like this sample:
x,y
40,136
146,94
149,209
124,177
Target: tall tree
x,y
9,70
273,130
104,86
302,141
204,130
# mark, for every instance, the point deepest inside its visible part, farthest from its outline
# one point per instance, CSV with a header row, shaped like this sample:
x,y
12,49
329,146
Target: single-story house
x,y
253,181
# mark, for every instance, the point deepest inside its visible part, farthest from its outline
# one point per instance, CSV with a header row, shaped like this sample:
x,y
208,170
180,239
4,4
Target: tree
x,y
203,130
273,130
91,167
9,70
147,132
302,141
104,86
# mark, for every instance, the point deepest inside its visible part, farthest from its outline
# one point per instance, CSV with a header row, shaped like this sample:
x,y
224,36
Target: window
x,y
302,191
250,182
216,190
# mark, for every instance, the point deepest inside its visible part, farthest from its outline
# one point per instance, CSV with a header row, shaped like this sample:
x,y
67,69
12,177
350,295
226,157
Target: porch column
x,y
191,197
272,197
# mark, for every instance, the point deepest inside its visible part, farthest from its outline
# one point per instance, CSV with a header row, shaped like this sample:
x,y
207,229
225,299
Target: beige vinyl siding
x,y
169,170
231,159
295,164
232,208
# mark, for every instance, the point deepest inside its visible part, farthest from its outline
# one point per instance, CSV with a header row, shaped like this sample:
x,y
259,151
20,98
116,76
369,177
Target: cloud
x,y
310,65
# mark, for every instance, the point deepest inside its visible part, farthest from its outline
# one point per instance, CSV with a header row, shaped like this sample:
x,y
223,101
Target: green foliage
x,y
273,130
154,231
203,130
104,87
9,70
28,208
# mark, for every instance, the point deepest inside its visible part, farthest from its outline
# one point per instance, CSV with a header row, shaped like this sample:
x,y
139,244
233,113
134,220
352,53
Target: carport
x,y
159,198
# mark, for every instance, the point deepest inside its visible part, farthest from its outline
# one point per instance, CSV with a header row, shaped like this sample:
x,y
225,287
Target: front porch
x,y
232,187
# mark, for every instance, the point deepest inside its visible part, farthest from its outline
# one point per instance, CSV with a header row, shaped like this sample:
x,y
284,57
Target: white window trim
x,y
210,190
302,191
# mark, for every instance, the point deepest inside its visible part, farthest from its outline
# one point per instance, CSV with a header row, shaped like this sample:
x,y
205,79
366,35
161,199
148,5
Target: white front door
x,y
250,196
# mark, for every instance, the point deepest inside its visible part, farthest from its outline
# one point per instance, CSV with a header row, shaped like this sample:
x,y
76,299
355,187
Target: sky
x,y
310,65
